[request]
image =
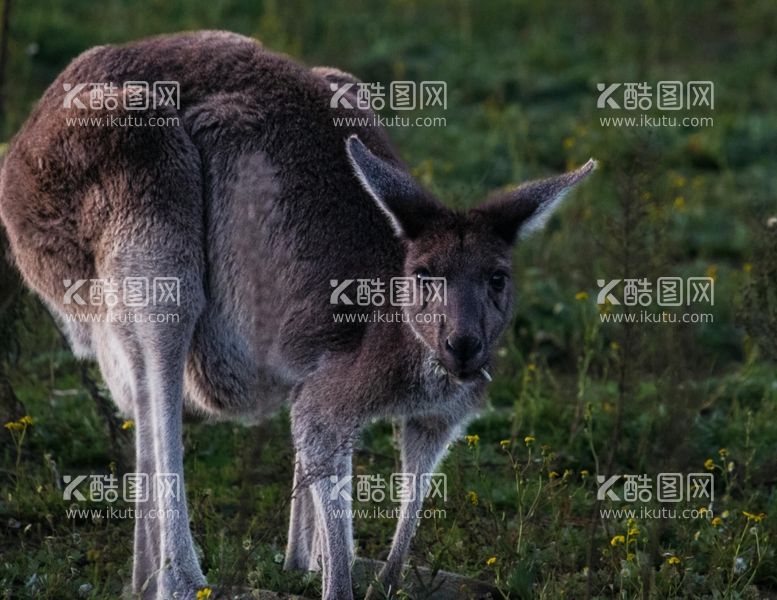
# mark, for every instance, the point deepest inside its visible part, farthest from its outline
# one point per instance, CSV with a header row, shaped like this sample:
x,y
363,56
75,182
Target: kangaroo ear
x,y
527,208
408,207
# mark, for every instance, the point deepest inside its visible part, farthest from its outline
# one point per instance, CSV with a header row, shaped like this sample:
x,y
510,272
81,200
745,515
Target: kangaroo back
x,y
251,168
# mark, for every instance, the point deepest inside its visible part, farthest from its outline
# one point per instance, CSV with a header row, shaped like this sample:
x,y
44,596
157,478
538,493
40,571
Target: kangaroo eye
x,y
422,273
498,281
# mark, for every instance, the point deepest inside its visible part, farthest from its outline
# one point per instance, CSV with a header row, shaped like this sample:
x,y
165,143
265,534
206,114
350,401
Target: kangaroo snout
x,y
465,351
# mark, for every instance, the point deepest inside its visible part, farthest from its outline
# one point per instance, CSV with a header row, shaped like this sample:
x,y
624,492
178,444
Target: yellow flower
x,y
504,443
630,556
491,561
473,497
581,296
709,464
673,560
723,452
529,440
753,517
716,522
584,473
569,142
128,424
747,267
679,203
618,539
204,593
633,532
679,181
472,440
531,367
553,474
19,425
614,346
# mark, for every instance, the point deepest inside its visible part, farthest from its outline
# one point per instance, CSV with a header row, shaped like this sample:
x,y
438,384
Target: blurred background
x,y
574,397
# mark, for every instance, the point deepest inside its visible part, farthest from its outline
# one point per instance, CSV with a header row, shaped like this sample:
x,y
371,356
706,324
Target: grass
x,y
573,397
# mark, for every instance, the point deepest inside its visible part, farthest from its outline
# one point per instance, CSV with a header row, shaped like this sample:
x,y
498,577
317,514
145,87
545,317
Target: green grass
x,y
597,398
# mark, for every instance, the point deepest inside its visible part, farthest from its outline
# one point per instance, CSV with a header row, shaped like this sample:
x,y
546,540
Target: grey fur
x,y
255,203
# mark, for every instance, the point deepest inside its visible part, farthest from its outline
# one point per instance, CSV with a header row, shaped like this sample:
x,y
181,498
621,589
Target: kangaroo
x,y
258,206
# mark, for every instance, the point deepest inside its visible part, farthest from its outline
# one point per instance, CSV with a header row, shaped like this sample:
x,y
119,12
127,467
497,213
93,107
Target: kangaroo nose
x,y
463,348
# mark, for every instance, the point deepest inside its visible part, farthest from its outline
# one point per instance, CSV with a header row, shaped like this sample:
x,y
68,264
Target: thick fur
x,y
254,203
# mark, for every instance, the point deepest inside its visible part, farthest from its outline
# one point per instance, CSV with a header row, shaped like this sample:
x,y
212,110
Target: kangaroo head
x,y
472,251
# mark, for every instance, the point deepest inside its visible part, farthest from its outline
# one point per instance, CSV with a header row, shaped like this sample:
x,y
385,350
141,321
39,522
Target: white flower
x,y
740,565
